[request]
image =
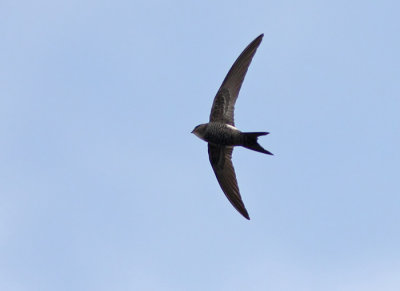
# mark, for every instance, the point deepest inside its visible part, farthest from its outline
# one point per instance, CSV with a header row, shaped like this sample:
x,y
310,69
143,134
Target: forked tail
x,y
250,142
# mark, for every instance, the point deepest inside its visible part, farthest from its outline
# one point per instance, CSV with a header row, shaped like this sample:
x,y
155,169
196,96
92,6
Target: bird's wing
x,y
224,102
221,162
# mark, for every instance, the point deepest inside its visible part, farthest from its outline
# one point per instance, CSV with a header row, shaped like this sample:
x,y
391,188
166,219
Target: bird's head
x,y
200,130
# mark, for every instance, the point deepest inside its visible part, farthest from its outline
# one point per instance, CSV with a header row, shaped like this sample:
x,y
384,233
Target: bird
x,y
221,134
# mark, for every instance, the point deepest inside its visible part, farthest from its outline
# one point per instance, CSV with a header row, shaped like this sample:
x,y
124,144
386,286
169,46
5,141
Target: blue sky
x,y
102,186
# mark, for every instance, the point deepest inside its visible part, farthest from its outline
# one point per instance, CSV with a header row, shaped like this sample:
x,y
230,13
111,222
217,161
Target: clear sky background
x,y
102,186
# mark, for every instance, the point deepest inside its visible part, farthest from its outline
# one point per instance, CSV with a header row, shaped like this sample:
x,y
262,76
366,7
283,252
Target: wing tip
x,y
244,213
260,37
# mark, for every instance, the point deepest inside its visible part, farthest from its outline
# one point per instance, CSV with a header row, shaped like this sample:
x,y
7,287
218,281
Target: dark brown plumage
x,y
220,132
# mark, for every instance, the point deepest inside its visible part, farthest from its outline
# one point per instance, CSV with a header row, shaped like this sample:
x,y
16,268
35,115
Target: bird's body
x,y
222,135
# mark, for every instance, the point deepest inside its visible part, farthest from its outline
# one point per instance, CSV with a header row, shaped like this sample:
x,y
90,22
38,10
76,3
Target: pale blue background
x,y
102,186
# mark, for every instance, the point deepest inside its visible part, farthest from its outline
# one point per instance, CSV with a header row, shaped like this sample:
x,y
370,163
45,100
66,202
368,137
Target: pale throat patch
x,y
198,135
